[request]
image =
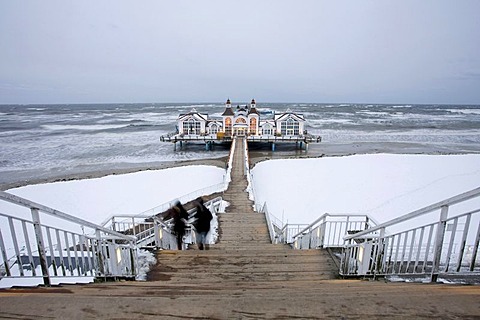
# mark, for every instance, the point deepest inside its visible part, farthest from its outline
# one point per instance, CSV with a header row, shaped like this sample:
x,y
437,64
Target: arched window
x,y
213,129
240,120
253,126
267,130
228,126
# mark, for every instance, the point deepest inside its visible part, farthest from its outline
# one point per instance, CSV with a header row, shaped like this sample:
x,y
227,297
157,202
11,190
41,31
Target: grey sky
x,y
206,51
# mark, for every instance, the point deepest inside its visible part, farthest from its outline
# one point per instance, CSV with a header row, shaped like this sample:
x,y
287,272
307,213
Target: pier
x,y
301,142
244,122
243,276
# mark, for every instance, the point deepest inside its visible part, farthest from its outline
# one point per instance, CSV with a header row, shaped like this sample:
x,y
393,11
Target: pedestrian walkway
x,y
243,276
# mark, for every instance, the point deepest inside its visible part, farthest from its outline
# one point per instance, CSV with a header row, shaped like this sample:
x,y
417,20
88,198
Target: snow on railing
x,y
449,245
48,246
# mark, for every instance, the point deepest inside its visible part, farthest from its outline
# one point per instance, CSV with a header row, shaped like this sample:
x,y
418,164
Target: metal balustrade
x,y
447,246
41,243
151,231
329,230
46,245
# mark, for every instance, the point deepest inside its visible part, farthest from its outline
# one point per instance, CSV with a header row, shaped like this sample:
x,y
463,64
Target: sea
x,y
50,141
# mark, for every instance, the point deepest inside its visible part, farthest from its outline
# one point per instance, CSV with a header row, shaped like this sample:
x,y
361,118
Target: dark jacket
x,y
203,216
180,215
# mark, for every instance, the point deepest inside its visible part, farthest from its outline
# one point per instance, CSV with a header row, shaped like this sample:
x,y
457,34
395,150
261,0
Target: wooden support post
x,y
41,247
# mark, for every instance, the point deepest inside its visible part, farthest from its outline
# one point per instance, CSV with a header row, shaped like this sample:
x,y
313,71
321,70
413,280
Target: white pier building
x,y
243,121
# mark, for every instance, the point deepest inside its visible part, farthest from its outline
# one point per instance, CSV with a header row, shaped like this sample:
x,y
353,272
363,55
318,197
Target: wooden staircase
x,y
244,254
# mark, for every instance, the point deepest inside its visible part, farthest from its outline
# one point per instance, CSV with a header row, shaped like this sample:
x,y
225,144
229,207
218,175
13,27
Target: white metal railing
x,y
152,231
329,229
41,243
219,187
274,225
449,245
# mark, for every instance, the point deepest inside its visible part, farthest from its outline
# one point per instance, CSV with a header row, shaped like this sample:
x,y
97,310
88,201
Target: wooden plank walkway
x,y
243,277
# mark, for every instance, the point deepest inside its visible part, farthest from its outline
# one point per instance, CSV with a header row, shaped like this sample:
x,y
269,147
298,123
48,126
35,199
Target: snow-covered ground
x,y
296,190
384,186
97,199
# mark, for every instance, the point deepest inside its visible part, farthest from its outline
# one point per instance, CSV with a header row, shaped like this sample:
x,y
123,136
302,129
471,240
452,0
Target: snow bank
x,y
382,185
97,199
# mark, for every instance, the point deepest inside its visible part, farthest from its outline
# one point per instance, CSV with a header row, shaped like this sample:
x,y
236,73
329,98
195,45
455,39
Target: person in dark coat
x,y
202,223
180,217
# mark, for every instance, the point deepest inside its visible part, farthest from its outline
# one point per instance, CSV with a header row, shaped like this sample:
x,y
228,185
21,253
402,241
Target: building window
x,y
228,126
253,126
289,127
213,129
191,127
240,120
267,130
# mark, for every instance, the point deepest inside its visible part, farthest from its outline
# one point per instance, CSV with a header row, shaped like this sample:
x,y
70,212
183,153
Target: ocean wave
x,y
374,113
81,127
465,111
401,106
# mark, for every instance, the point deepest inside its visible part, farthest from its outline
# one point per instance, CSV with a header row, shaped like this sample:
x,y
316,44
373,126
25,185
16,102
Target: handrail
x,y
160,239
58,248
450,201
219,187
325,215
56,213
447,246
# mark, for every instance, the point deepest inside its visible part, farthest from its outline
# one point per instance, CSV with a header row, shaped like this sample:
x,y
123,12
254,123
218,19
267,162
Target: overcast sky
x,y
206,51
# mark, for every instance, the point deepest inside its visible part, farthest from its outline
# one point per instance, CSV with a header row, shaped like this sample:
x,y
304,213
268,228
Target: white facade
x,y
241,121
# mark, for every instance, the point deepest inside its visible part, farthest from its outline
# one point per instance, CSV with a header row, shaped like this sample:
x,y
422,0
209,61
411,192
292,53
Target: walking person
x,y
180,217
202,223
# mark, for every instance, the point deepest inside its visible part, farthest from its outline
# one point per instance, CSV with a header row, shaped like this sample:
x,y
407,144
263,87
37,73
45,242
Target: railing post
x,y
132,259
439,243
380,253
100,252
156,229
323,229
41,247
4,255
133,227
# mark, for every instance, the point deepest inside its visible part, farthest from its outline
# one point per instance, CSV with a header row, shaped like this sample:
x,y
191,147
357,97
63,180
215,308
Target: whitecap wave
x,y
465,111
92,127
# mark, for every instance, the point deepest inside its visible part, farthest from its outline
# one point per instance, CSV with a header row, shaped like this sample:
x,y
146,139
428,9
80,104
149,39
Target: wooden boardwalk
x,y
243,276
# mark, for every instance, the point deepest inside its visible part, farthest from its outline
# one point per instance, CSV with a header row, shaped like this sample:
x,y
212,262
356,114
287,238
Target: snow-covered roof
x,y
286,115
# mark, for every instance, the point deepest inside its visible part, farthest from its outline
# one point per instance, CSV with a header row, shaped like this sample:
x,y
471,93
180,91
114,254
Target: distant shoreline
x,y
262,154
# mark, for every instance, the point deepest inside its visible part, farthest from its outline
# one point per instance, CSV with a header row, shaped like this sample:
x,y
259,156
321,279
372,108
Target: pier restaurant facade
x,y
241,121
